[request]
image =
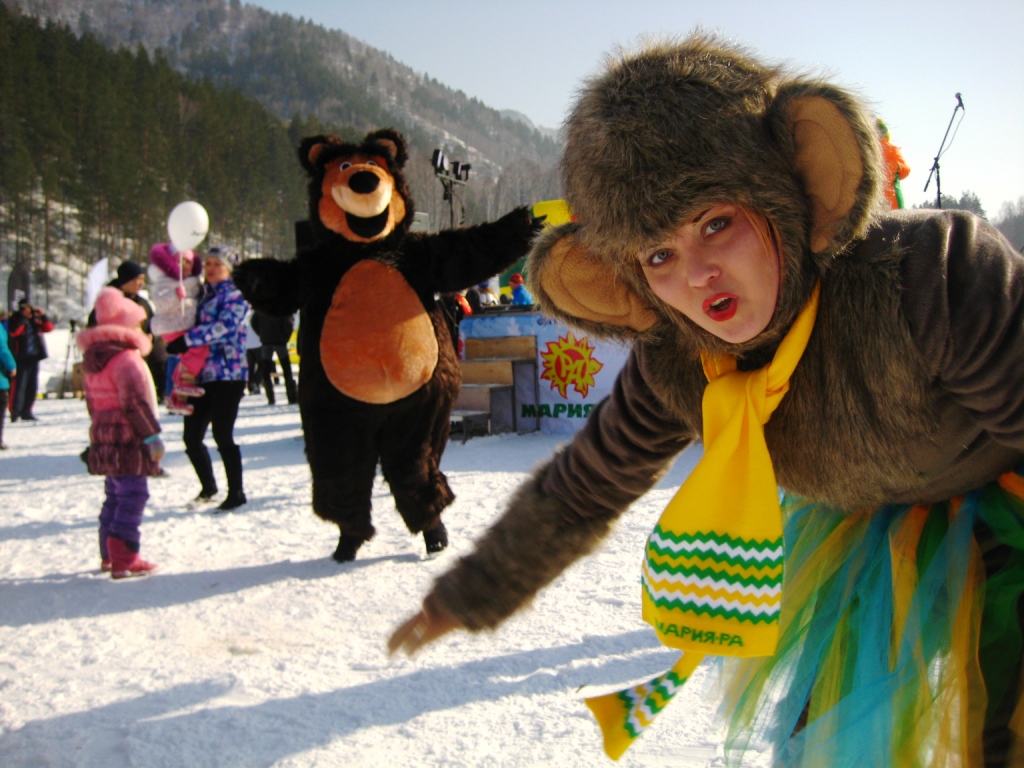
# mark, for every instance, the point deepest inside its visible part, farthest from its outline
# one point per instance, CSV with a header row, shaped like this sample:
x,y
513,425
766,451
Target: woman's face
x,y
716,271
214,270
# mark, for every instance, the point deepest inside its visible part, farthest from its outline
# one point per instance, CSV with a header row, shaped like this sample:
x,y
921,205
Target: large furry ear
x,y
579,288
836,156
392,141
310,149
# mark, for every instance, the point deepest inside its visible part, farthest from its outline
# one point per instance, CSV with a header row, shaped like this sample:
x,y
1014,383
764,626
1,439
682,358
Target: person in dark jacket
x,y
124,438
274,333
25,330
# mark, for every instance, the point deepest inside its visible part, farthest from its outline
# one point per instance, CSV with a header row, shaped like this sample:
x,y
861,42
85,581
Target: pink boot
x,y
124,563
185,383
178,404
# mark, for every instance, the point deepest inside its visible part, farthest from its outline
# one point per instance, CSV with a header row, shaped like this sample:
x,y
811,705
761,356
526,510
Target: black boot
x,y
233,500
200,458
231,455
347,548
436,538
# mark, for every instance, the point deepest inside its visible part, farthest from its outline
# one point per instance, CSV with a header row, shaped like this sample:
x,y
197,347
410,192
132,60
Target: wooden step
x,y
486,371
501,348
463,414
477,397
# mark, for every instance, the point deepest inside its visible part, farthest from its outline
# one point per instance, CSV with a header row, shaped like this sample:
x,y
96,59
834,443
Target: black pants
x,y
219,407
252,357
25,385
267,353
158,369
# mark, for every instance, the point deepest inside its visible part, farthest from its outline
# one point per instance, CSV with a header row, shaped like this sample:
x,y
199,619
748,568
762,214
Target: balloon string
x,y
181,282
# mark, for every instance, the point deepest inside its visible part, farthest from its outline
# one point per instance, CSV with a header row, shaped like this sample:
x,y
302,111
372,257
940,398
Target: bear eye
x,y
345,166
372,162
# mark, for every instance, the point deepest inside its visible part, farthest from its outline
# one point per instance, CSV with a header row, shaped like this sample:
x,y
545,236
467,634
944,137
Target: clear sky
x,y
908,58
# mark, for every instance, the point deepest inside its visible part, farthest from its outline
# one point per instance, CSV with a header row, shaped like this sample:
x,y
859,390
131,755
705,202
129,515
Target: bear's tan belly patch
x,y
378,344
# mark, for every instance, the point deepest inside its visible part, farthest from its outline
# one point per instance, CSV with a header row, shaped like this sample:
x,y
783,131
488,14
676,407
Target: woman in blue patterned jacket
x,y
220,324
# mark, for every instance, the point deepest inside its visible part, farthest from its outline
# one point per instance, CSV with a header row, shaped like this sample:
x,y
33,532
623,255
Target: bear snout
x,y
364,182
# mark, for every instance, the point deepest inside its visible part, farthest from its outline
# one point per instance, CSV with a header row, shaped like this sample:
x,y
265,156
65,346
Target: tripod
x,y
67,359
935,165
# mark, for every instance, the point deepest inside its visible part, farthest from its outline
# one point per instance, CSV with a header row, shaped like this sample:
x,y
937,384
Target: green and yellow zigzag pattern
x,y
714,575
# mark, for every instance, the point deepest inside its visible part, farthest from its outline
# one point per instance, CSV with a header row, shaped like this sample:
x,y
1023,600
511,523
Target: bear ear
x,y
393,144
836,156
310,149
579,287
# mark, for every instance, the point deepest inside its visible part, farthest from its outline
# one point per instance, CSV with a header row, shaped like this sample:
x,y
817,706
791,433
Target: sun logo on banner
x,y
569,362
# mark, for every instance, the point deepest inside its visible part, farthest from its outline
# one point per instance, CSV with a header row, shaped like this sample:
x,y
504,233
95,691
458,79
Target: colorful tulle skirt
x,y
901,638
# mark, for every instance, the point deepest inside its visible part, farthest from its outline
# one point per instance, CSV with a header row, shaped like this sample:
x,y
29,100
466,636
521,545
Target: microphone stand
x,y
935,165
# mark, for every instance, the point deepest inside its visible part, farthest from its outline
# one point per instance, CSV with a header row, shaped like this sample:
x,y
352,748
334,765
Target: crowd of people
x,y
191,344
188,354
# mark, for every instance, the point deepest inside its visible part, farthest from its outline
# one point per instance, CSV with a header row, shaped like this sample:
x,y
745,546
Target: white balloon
x,y
187,225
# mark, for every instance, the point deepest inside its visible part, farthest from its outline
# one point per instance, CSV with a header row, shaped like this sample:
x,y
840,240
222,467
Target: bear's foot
x,y
436,538
347,548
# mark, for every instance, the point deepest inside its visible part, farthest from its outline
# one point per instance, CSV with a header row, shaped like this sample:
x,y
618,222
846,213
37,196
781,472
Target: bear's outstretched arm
x,y
462,258
270,286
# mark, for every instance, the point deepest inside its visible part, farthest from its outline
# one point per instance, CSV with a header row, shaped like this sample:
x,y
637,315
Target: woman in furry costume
x,y
736,208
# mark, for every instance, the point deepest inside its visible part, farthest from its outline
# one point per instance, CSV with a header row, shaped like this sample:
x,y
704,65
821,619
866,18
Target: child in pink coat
x,y
124,437
174,291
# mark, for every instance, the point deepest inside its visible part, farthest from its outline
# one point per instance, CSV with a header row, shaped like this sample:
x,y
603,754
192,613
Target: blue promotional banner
x,y
574,371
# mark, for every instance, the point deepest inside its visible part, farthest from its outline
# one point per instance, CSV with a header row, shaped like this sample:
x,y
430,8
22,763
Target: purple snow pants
x,y
122,510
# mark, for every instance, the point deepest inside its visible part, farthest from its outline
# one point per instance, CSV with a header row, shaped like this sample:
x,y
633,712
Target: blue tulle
x,y
846,623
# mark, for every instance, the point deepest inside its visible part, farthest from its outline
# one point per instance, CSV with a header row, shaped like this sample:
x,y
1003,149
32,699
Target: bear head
x,y
357,191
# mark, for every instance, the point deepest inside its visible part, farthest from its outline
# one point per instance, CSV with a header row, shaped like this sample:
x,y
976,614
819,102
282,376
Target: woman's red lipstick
x,y
721,306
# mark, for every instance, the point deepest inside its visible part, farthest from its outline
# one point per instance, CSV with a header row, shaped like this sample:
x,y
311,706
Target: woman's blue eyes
x,y
717,225
712,227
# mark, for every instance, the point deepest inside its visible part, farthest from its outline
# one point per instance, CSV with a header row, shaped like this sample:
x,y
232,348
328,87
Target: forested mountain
x,y
97,146
113,111
298,69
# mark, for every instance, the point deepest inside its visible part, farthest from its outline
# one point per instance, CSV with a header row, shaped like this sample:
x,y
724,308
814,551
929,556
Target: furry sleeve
x,y
464,257
270,286
568,506
964,297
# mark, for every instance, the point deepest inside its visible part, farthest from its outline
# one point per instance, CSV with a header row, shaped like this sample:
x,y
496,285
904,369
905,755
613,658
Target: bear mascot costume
x,y
378,374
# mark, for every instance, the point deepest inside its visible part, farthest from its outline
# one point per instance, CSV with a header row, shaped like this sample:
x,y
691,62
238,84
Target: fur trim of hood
x,y
678,125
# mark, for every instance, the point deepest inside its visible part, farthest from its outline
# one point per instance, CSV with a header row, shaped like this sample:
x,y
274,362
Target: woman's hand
x,y
426,626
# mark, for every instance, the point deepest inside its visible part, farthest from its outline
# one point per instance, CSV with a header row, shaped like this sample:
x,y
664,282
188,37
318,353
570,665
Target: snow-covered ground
x,y
251,647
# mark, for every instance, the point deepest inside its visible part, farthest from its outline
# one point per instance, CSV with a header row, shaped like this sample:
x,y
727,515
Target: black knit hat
x,y
128,271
